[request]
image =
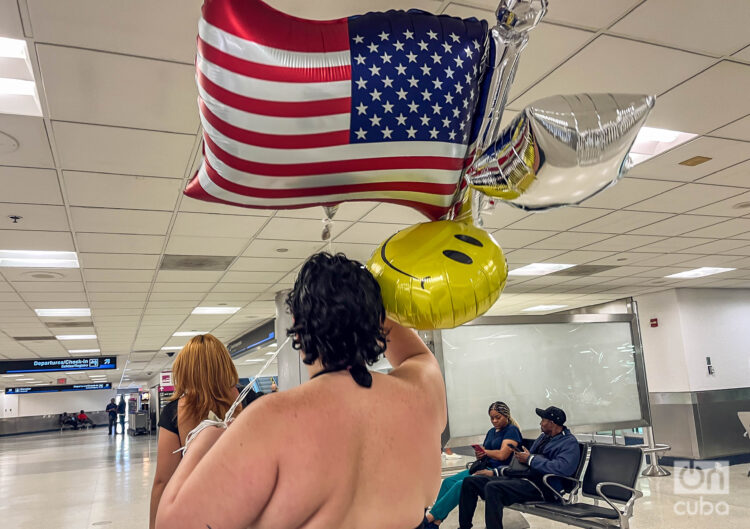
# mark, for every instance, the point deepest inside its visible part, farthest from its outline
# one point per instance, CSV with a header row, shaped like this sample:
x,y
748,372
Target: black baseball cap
x,y
554,414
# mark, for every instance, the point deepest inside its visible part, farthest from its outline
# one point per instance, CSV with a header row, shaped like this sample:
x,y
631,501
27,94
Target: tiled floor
x,y
87,479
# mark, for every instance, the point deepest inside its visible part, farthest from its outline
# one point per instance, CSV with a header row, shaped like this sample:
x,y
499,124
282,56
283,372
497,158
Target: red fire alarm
x,y
62,380
654,322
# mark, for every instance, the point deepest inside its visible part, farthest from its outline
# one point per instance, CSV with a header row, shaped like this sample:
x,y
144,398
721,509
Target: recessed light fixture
x,y
76,337
38,259
700,272
82,351
215,310
176,348
539,308
539,269
651,142
188,333
12,48
63,313
18,93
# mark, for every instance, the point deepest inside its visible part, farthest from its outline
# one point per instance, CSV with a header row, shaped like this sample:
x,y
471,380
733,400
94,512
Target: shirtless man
x,y
349,449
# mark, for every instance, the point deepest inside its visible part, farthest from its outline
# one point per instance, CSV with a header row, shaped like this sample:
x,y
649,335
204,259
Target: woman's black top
x,y
168,418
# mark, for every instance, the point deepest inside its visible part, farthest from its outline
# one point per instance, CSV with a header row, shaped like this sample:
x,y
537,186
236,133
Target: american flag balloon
x,y
298,113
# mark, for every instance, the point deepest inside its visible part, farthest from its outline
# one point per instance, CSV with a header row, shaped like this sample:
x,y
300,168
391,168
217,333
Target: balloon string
x,y
207,423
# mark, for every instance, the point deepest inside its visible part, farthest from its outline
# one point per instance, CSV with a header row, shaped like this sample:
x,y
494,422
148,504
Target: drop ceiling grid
x,y
103,295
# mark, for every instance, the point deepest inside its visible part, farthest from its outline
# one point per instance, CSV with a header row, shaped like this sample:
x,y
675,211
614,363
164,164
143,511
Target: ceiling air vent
x,y
583,270
70,324
194,263
34,338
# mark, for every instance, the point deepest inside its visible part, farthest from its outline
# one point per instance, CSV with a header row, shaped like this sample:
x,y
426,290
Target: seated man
x,y
554,452
68,420
84,419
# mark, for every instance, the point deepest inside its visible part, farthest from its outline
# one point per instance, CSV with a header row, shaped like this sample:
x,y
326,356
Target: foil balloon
x,y
439,274
298,113
561,150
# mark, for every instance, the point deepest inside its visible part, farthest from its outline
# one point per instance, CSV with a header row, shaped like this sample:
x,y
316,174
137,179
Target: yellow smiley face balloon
x,y
438,275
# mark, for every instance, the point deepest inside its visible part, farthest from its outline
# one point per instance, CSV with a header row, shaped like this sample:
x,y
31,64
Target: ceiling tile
x,y
48,286
721,94
568,241
394,214
668,259
686,198
621,222
42,275
723,153
245,288
193,205
180,276
123,221
726,246
579,257
738,130
117,243
10,20
678,225
87,86
510,239
141,287
368,232
282,229
712,260
176,296
528,255
726,208
33,145
502,215
206,225
621,243
253,277
559,219
265,264
65,297
121,191
122,275
29,186
35,217
685,24
183,245
350,211
640,69
357,252
182,287
122,151
628,191
168,32
119,260
729,228
737,175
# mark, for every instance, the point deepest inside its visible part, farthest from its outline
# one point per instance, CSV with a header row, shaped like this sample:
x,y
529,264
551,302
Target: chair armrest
x,y
557,494
627,509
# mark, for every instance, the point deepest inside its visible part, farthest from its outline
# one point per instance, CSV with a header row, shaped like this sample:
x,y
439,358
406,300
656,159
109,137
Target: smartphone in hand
x,y
479,449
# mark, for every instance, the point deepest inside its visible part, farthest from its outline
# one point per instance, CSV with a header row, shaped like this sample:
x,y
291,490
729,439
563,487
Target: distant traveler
x,y
68,420
112,413
84,419
554,452
205,380
121,413
496,451
348,449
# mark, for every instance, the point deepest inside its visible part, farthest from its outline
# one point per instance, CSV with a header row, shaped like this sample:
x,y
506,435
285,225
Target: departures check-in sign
x,y
42,365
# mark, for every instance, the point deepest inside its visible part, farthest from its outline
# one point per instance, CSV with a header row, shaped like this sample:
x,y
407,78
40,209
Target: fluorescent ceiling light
x,y
17,87
11,376
254,360
38,259
539,269
12,48
543,307
171,348
61,313
81,351
700,272
271,353
24,379
215,310
188,333
76,337
651,142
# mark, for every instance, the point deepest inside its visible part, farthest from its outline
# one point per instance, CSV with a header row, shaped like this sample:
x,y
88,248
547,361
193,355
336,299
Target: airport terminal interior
x,y
132,219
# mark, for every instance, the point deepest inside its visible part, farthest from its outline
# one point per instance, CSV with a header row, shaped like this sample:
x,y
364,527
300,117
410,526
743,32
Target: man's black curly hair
x,y
338,312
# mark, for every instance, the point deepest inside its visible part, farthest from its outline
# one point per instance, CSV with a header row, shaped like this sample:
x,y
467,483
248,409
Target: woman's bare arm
x,y
166,463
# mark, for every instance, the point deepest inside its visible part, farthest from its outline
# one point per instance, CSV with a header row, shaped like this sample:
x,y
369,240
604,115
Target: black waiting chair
x,y
610,477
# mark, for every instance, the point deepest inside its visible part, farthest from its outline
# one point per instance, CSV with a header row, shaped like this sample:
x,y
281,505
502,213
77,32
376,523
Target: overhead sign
x,y
42,365
24,390
263,335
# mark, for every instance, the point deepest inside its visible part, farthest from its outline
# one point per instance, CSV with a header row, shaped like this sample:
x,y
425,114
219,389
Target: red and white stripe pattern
x,y
276,103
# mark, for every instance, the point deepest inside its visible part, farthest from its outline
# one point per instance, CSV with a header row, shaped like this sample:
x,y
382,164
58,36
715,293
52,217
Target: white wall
x,y
8,405
54,403
694,324
663,349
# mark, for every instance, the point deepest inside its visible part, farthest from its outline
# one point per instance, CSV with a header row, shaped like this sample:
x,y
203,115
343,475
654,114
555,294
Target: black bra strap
x,y
359,373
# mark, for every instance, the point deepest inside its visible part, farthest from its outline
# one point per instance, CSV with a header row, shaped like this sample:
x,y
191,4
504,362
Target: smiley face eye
x,y
469,239
457,256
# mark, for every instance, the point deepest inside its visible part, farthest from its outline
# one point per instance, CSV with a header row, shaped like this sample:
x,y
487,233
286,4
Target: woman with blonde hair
x,y
205,384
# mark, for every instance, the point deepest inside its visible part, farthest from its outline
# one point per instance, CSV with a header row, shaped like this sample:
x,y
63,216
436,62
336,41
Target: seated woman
x,y
205,380
498,450
347,449
68,420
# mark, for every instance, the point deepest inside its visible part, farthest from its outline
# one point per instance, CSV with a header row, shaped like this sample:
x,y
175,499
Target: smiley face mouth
x,y
454,255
